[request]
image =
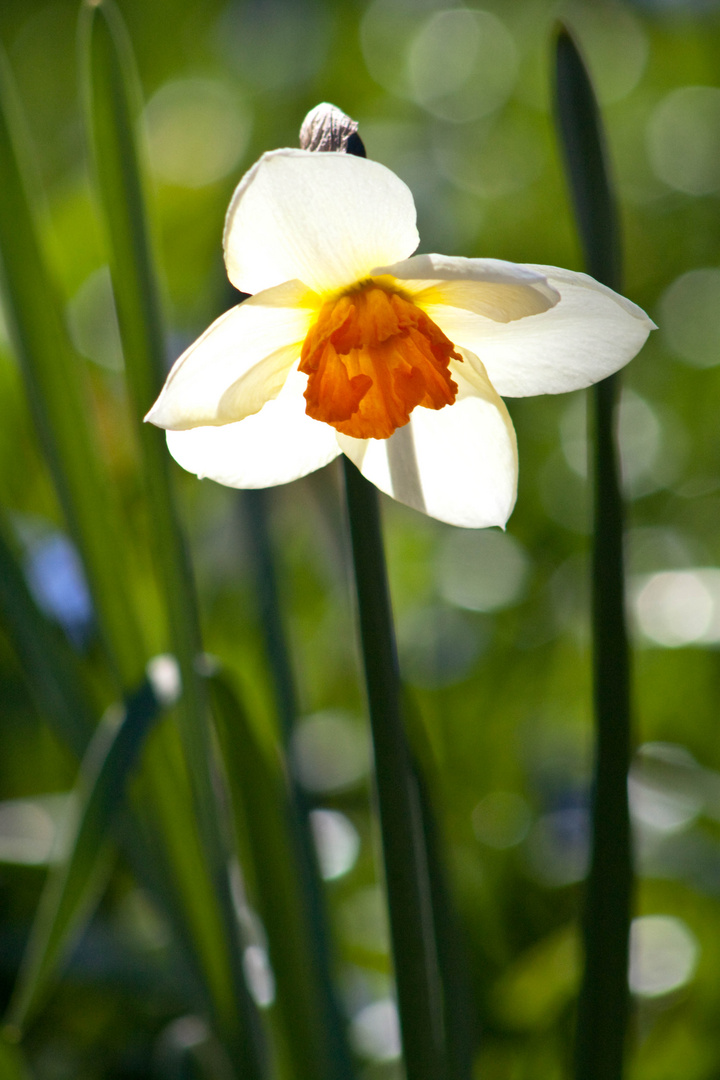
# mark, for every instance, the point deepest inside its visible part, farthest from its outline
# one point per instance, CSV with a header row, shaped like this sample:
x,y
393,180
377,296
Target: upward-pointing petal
x,y
326,219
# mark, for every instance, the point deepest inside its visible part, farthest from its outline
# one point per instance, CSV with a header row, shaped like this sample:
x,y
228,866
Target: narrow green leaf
x,y
157,830
311,912
458,1011
604,1003
415,957
583,145
52,375
52,379
72,889
55,679
312,1027
112,100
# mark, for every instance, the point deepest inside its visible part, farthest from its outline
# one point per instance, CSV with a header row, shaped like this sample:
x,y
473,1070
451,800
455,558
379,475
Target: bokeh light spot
x,y
504,160
260,979
27,832
690,316
679,607
375,1031
648,459
462,64
663,955
56,579
665,788
683,140
197,131
330,752
337,842
482,570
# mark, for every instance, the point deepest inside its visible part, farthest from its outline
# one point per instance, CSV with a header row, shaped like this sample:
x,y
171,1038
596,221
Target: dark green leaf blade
x,y
604,1003
72,889
59,404
583,144
112,99
264,821
293,826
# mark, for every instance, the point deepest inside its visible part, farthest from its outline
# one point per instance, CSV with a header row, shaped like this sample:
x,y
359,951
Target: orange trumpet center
x,y
371,357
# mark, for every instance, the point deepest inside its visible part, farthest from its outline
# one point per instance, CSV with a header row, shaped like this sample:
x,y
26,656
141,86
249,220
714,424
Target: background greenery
x,y
493,628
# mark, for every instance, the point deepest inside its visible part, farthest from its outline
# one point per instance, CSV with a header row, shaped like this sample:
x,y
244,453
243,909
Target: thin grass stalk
x,y
264,824
457,1004
112,108
55,682
604,1002
414,949
458,1012
72,889
61,411
338,1057
59,404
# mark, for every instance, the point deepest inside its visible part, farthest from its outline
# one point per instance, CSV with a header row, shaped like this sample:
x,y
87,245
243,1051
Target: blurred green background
x,y
493,627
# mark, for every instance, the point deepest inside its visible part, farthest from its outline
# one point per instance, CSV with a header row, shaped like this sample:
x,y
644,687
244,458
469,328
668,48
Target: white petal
x,y
499,290
326,219
278,444
590,333
457,464
239,363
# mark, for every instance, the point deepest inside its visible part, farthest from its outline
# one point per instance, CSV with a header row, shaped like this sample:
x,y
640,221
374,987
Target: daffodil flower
x,y
350,343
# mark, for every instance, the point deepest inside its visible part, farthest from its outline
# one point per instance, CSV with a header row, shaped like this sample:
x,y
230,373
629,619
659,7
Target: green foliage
x,y
493,629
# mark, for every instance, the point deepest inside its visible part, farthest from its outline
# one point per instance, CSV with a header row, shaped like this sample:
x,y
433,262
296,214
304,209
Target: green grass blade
x,y
604,1003
415,958
264,820
72,889
54,676
312,917
158,831
12,1062
52,376
108,80
583,145
458,1010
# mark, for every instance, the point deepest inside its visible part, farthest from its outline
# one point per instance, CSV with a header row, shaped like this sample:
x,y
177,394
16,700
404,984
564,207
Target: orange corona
x,y
371,357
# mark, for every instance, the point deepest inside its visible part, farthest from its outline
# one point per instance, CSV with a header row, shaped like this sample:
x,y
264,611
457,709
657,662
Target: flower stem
x,y
406,873
604,1003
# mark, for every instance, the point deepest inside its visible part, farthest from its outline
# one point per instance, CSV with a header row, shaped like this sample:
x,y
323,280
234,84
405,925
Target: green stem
x,y
338,1058
604,1003
405,859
